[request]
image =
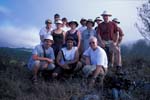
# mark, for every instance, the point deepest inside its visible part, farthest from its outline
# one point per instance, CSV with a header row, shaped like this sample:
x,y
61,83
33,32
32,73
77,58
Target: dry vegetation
x,y
15,83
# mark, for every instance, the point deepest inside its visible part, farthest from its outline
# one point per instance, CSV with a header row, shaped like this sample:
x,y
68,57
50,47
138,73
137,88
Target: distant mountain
x,y
20,54
6,44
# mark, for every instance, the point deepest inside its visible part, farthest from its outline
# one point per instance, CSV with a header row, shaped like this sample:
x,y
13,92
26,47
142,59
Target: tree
x,y
144,15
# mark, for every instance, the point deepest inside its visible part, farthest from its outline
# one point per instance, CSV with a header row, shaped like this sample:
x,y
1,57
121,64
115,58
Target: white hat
x,y
58,22
98,18
105,13
49,37
116,20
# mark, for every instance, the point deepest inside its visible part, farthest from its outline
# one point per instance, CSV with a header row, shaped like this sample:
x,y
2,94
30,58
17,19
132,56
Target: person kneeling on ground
x,y
96,61
67,59
42,57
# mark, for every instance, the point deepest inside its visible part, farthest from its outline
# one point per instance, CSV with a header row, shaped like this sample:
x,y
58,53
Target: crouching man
x,y
67,59
96,61
42,57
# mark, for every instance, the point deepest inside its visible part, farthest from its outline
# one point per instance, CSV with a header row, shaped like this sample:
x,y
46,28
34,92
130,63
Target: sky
x,y
21,20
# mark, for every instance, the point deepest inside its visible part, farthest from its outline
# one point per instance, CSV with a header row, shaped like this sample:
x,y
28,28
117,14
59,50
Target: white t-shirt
x,y
44,31
65,28
82,28
97,57
69,54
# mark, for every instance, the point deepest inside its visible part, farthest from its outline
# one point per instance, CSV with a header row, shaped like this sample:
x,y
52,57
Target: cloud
x,y
12,36
4,10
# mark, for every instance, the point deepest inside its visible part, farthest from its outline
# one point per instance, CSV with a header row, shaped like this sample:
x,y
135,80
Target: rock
x,y
91,97
74,97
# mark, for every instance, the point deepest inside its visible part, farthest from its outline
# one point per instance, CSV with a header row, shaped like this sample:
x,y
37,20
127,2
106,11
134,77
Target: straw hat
x,y
105,13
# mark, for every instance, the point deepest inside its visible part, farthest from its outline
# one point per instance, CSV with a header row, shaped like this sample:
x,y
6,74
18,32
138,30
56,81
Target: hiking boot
x,y
34,80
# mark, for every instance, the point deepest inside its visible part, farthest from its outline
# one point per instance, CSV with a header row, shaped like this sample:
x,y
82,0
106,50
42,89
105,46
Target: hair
x,y
70,38
64,19
56,15
93,38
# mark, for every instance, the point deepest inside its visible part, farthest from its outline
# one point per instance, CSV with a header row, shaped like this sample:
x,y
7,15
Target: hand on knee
x,y
54,75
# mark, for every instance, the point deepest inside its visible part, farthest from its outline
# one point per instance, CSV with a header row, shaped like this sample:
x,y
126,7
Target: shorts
x,y
40,64
88,69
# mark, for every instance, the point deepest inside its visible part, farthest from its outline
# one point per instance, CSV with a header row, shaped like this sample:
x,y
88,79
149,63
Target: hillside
x,y
15,83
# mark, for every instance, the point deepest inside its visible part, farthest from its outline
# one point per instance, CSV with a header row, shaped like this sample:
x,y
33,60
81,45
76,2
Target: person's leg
x,y
111,59
110,54
58,70
117,52
44,65
88,69
51,66
35,67
98,72
115,94
77,67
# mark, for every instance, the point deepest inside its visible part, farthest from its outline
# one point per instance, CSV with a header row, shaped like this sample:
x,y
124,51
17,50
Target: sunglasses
x,y
92,43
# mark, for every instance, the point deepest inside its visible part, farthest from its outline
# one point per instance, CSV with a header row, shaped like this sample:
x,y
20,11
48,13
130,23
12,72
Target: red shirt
x,y
107,31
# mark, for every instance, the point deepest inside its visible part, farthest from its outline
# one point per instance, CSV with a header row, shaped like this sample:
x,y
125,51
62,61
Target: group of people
x,y
66,49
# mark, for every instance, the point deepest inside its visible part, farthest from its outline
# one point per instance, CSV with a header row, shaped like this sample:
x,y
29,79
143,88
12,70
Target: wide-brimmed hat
x,y
98,19
48,21
116,20
73,21
105,13
82,19
48,37
58,22
90,21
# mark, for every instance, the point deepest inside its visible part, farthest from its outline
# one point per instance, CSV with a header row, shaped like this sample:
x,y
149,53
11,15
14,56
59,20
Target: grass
x,y
15,83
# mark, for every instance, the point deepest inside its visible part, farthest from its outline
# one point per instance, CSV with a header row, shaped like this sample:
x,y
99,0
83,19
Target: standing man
x,y
121,34
108,36
46,30
42,57
96,61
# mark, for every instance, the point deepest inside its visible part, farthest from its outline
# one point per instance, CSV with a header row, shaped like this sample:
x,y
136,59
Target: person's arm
x,y
42,38
79,39
87,60
121,34
64,35
36,57
58,60
52,56
115,34
41,34
86,55
99,70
